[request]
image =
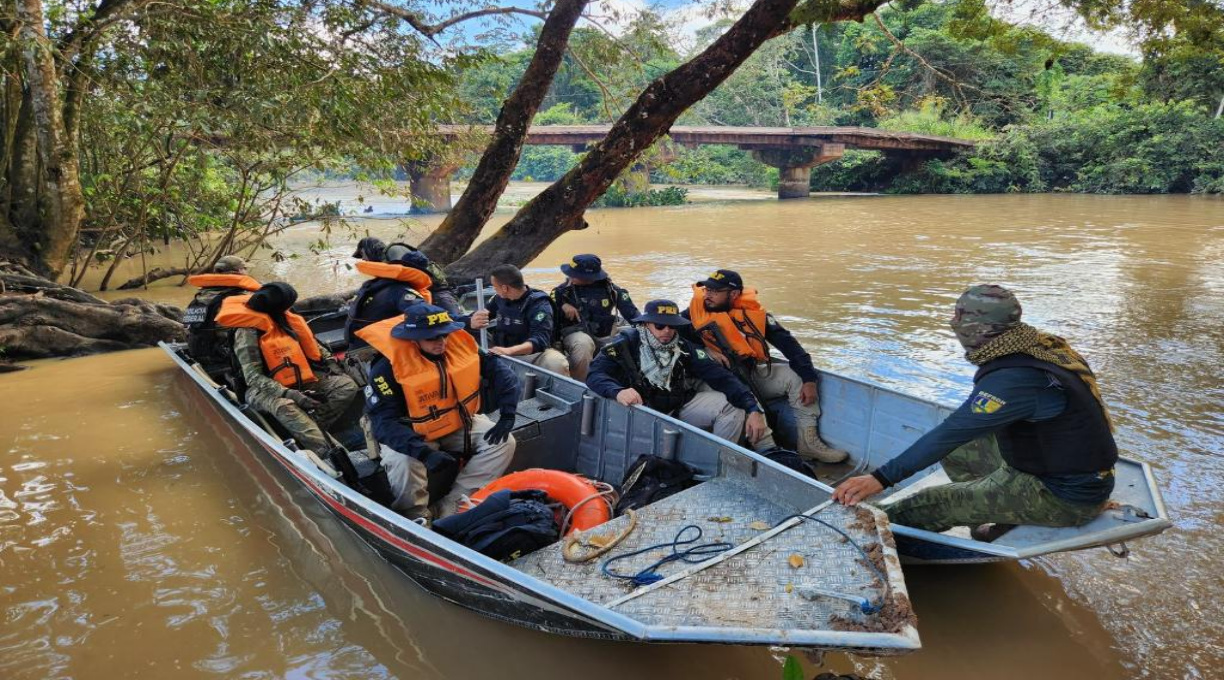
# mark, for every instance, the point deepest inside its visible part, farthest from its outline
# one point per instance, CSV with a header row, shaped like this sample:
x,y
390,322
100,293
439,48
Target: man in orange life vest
x,y
423,400
738,331
288,375
206,343
395,286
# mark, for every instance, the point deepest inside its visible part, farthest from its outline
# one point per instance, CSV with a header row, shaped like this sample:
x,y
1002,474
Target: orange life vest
x,y
415,278
441,398
224,281
743,325
281,351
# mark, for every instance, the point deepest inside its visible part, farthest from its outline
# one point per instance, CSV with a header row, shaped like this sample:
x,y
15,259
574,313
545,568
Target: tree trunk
x,y
560,207
63,200
463,224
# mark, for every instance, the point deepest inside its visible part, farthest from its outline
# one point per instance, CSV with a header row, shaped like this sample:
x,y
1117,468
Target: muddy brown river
x,y
139,537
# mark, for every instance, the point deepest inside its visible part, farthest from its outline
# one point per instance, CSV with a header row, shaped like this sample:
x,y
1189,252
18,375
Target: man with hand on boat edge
x,y
652,365
738,331
288,375
520,321
589,302
423,401
1056,451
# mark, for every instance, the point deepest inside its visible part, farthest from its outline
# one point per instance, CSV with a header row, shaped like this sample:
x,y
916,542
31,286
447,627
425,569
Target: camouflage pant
x,y
336,392
984,489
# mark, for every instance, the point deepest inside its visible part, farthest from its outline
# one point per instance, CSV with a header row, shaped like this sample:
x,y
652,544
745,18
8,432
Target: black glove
x,y
441,471
303,400
500,431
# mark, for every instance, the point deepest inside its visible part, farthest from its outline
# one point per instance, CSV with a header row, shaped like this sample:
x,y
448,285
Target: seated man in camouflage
x,y
288,375
1039,398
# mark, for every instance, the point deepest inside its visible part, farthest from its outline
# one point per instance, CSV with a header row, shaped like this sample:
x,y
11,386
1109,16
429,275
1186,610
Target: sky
x,y
688,17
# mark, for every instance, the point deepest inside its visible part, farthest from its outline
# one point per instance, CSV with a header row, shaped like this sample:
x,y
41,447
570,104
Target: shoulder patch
x,y
985,402
383,388
606,303
610,350
701,354
540,316
770,320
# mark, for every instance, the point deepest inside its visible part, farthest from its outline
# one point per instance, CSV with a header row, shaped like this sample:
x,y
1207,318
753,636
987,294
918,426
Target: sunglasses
x,y
659,326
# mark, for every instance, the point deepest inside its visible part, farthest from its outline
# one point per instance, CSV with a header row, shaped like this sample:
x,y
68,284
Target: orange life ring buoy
x,y
567,488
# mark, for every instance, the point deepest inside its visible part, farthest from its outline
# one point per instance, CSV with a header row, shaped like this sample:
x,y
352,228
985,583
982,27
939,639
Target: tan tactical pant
x,y
780,380
580,350
409,479
336,392
711,411
549,360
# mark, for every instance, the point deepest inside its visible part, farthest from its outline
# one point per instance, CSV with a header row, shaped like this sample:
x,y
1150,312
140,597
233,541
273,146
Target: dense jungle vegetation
x,y
1049,115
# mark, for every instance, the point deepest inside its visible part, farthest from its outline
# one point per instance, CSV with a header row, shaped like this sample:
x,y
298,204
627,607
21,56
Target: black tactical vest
x,y
682,387
208,343
1076,441
512,325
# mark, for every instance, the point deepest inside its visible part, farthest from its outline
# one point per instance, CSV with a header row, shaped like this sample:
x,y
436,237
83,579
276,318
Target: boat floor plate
x,y
757,589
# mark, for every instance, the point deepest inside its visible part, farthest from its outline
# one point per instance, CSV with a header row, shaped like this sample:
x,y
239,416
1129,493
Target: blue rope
x,y
865,605
694,555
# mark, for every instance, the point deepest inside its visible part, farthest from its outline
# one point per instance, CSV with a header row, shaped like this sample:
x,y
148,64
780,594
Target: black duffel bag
x,y
651,479
505,526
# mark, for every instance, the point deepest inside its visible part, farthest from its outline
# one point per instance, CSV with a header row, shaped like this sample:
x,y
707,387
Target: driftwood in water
x,y
41,319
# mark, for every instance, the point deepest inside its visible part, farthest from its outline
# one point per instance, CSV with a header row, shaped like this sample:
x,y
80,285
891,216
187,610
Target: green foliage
x,y
618,196
929,119
792,669
1151,148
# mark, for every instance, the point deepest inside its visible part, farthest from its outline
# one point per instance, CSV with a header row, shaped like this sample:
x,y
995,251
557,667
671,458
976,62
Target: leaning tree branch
x,y
420,25
940,73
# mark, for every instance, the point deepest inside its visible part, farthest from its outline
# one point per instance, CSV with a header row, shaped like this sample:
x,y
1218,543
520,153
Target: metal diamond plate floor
x,y
757,589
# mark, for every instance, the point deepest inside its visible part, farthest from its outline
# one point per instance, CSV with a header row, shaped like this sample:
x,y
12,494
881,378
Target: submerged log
x,y
41,319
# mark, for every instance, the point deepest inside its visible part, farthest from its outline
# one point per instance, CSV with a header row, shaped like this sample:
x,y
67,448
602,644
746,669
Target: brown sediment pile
x,y
896,612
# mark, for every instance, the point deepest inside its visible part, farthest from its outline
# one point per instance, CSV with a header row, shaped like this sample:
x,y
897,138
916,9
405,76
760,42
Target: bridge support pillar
x,y
430,184
795,165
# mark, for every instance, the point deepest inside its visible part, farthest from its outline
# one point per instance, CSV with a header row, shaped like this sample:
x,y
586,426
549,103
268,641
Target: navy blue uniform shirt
x,y
1003,397
386,407
388,299
513,322
607,376
777,336
597,303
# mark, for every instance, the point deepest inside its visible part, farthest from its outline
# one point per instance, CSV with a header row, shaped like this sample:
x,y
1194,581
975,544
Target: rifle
x,y
742,368
583,323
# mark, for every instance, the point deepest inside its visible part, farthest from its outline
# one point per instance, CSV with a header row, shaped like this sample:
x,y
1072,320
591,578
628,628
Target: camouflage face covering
x,y
982,313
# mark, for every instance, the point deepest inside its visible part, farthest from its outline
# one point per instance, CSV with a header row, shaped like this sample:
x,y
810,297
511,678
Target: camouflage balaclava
x,y
984,313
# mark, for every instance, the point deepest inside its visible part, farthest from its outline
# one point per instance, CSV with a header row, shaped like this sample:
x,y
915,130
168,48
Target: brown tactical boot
x,y
989,533
812,447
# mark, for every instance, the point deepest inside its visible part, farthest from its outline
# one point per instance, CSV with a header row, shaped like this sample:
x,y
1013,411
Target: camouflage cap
x,y
984,312
229,264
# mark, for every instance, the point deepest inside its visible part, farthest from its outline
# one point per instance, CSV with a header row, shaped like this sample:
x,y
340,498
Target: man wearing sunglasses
x,y
651,365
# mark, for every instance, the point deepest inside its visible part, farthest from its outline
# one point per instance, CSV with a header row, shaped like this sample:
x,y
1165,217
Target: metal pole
x,y
480,301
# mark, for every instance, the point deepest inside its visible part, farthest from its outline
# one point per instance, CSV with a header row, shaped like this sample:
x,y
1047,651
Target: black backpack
x,y
651,479
505,526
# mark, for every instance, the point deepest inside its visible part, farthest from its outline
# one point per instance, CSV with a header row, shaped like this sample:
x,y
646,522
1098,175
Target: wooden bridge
x,y
794,151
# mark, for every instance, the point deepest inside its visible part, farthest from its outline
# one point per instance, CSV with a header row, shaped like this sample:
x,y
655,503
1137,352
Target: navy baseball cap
x,y
585,266
424,322
723,279
663,313
408,257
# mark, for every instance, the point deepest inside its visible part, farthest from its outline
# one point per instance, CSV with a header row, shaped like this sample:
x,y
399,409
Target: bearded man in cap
x,y
651,365
734,326
589,303
423,401
206,342
288,375
1039,398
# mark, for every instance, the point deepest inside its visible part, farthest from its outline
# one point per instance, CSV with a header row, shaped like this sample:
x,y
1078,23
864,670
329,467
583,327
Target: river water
x,y
138,537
